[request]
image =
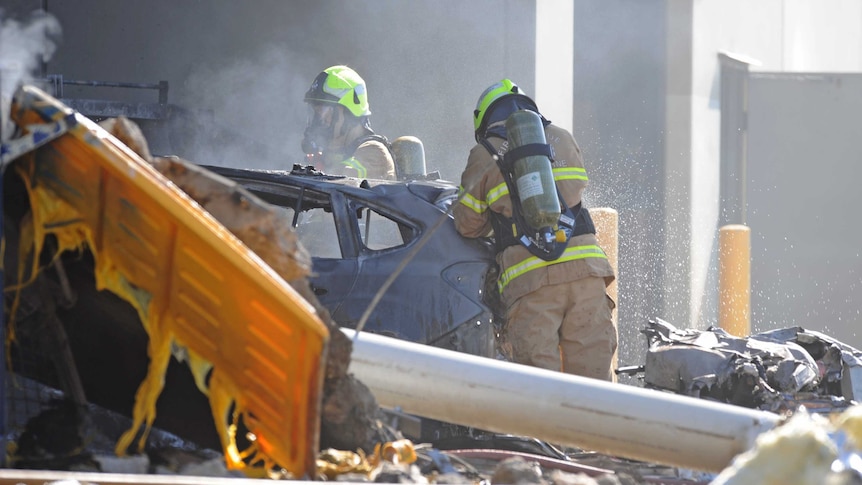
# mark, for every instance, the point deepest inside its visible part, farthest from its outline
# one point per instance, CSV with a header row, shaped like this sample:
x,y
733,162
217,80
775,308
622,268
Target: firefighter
x,y
558,313
338,137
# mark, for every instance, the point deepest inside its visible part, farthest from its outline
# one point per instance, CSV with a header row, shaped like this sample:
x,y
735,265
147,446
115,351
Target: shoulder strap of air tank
x,y
504,232
529,150
488,146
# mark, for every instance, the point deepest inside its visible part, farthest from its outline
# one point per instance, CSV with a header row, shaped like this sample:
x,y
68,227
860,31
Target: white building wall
x,y
738,27
823,36
554,58
677,142
782,35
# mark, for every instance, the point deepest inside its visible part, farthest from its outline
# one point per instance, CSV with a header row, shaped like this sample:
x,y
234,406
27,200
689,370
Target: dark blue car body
x,y
360,232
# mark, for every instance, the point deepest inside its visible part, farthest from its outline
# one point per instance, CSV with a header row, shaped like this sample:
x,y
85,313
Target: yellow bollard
x,y
606,221
734,279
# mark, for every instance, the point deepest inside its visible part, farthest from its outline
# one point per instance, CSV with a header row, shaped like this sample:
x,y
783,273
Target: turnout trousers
x,y
567,326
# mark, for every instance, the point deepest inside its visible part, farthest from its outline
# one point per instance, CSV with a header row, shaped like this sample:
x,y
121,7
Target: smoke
x,y
250,116
23,46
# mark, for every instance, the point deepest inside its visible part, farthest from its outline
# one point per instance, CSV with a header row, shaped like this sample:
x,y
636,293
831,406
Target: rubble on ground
x,y
777,370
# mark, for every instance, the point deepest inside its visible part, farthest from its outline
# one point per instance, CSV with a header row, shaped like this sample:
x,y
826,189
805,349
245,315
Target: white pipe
x,y
617,419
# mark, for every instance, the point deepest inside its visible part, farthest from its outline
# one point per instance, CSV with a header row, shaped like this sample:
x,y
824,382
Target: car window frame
x,y
356,202
295,191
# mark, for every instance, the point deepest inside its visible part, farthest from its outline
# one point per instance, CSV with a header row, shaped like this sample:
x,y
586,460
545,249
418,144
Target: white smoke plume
x,y
252,101
24,44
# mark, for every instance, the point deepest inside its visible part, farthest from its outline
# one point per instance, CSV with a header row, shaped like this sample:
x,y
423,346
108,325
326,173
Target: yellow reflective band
x,y
473,203
497,192
565,173
570,173
352,162
531,263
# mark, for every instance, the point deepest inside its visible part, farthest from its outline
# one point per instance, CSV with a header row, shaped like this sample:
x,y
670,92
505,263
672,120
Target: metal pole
x,y
499,396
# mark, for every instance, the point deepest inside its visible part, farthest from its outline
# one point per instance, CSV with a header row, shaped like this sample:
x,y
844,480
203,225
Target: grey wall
x,y
619,100
803,166
777,36
244,66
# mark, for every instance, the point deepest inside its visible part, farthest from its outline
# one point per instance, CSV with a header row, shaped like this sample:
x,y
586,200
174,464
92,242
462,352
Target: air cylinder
x,y
409,157
534,178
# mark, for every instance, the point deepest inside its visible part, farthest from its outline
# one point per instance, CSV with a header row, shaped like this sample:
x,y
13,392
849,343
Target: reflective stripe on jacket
x,y
352,163
479,206
532,263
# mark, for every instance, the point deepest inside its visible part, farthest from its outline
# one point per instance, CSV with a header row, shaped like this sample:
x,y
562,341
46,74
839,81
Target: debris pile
x,y
777,370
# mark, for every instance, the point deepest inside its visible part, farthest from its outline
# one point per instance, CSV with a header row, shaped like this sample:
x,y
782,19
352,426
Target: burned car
x,y
361,232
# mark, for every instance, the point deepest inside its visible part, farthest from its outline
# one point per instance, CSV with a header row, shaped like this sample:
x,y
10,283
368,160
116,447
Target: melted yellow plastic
x,y
257,343
331,462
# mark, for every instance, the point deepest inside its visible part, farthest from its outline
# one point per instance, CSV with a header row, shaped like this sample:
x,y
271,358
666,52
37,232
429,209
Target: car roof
x,y
430,190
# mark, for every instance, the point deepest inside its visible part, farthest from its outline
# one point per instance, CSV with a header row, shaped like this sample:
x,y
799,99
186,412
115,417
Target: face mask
x,y
318,128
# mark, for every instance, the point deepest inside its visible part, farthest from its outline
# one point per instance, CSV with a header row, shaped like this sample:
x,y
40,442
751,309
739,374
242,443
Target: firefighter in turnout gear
x,y
338,138
558,314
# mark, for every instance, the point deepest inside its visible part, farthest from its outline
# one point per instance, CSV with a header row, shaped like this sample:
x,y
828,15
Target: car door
x,y
315,209
330,244
422,303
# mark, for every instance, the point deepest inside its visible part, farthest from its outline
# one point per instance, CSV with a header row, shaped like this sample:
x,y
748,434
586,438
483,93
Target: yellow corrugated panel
x,y
192,283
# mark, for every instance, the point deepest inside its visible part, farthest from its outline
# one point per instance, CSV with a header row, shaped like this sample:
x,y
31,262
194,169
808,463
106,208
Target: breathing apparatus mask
x,y
319,128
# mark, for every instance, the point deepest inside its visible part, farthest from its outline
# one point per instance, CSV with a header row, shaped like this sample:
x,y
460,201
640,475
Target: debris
x,y
517,470
496,396
92,192
135,464
52,436
798,452
777,371
247,217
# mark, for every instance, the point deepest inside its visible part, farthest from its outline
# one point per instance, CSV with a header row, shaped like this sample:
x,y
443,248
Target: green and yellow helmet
x,y
340,85
491,96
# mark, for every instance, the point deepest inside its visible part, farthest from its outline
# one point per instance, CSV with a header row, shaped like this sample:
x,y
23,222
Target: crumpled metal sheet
x,y
777,370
